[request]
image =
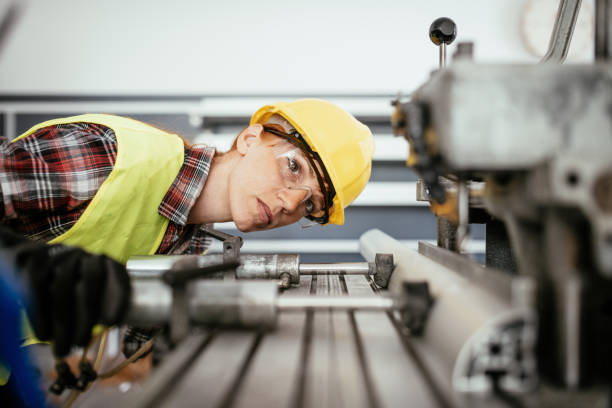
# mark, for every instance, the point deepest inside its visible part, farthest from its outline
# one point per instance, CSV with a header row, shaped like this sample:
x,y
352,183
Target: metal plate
x,y
312,359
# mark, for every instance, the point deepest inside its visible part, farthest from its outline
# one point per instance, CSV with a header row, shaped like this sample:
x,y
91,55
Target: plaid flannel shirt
x,y
48,179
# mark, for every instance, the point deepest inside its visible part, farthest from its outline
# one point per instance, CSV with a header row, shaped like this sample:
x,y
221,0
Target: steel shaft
x,y
245,303
272,266
348,268
336,303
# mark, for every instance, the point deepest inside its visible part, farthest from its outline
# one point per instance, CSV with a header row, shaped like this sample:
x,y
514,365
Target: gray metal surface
x,y
168,375
274,375
317,358
506,287
471,313
603,31
387,359
498,249
336,303
349,268
485,115
321,375
260,266
211,379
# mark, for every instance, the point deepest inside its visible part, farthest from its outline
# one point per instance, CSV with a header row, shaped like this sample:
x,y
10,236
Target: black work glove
x,y
70,290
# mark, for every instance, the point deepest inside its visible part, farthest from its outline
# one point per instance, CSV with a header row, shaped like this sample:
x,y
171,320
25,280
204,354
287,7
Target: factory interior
x,y
474,269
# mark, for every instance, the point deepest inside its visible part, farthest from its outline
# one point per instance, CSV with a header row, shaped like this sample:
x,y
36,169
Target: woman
x,y
119,187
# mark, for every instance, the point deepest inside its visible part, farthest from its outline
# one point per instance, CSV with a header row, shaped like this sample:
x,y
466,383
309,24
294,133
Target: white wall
x,y
241,46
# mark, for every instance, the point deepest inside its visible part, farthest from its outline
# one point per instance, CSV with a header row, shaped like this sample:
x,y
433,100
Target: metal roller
x,y
251,266
245,303
283,267
488,329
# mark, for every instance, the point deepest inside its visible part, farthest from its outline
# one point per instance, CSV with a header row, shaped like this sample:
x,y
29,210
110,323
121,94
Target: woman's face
x,y
272,184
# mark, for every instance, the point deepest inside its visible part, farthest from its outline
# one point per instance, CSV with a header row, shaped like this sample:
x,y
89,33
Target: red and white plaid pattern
x,y
48,179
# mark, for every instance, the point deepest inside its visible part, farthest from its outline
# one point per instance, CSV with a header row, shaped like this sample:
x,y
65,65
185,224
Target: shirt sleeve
x,y
48,178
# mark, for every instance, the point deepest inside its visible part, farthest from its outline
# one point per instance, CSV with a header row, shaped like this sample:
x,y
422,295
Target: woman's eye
x,y
309,206
294,167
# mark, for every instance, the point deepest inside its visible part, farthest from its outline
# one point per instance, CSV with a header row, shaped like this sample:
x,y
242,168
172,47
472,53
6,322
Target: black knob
x,y
442,31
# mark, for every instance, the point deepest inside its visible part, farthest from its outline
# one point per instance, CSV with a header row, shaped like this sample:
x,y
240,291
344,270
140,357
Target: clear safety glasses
x,y
299,177
316,210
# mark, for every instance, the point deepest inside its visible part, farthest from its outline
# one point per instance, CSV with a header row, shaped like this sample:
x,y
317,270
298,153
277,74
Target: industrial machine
x,y
524,149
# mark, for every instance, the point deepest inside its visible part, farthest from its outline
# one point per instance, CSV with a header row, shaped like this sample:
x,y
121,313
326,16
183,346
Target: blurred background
x,y
200,68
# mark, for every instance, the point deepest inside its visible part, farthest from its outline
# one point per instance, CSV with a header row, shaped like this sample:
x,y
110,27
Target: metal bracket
x,y
383,268
417,304
231,248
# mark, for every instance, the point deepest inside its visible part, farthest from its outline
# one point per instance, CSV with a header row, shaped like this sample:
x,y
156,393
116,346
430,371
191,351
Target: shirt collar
x,y
188,184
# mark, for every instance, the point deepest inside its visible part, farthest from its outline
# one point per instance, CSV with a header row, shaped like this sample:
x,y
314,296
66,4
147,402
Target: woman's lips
x,y
264,212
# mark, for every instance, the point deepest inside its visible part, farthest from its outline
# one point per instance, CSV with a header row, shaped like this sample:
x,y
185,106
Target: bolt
x,y
285,280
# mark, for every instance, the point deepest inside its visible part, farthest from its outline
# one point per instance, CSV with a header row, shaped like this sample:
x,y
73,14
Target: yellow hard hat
x,y
344,145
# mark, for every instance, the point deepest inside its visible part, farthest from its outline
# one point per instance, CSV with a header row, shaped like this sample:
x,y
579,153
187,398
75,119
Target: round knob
x,y
442,31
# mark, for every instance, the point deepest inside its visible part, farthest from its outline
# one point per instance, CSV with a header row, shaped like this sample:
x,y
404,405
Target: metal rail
x,y
347,268
603,31
237,303
562,31
336,303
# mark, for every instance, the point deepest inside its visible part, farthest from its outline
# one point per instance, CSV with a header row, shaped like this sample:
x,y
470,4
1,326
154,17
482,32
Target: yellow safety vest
x,y
122,219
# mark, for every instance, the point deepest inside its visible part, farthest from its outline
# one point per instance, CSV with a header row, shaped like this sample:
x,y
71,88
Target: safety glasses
x,y
316,210
299,177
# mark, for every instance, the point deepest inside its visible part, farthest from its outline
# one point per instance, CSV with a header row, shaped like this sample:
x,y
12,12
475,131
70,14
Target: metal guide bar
x,y
274,366
491,279
315,358
386,358
215,371
168,374
562,31
350,268
603,31
320,383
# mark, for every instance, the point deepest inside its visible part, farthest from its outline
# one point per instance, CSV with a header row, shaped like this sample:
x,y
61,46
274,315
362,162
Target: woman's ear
x,y
248,138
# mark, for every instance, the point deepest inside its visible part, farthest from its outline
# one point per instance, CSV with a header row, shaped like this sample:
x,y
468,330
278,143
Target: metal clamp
x,y
417,304
231,248
383,266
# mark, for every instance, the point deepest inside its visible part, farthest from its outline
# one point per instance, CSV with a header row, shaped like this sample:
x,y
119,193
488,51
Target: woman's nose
x,y
293,198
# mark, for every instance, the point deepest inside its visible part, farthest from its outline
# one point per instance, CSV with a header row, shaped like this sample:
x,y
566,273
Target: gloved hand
x,y
70,290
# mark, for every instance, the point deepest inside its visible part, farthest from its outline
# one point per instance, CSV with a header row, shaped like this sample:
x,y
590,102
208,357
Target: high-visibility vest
x,y
122,219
